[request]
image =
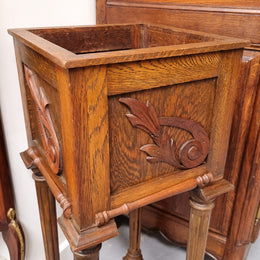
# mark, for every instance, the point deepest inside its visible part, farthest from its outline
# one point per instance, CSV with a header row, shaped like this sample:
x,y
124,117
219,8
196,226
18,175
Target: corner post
x,y
198,227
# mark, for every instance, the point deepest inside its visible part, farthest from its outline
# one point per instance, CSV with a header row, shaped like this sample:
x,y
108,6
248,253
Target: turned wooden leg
x,y
47,210
202,203
91,253
134,251
198,228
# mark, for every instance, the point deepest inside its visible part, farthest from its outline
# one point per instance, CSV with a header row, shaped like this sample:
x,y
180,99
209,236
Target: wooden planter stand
x,y
121,116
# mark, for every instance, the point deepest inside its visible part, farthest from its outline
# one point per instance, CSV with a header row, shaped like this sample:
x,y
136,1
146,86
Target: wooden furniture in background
x,y
177,88
235,222
236,18
10,228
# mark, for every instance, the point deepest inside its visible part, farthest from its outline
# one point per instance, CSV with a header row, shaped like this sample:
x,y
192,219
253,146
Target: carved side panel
x,y
173,140
48,135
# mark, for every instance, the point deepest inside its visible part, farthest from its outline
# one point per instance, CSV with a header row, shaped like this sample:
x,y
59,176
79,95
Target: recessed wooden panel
x,y
128,164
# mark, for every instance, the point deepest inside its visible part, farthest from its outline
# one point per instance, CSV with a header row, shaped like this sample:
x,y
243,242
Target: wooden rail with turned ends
x,y
88,79
31,158
125,209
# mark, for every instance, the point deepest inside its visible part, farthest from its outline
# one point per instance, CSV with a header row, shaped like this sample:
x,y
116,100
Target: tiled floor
x,y
153,248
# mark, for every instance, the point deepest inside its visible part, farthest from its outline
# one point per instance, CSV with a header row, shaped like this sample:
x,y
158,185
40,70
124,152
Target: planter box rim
x,y
67,59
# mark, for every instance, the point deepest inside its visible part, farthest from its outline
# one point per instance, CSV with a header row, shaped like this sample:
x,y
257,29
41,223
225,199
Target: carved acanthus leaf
x,y
191,154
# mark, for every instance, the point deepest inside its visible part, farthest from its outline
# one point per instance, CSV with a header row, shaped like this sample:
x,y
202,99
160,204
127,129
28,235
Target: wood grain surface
x,y
103,167
136,76
88,116
209,18
128,165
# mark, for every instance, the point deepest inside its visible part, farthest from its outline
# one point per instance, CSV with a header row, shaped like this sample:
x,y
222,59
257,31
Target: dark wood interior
x,y
100,39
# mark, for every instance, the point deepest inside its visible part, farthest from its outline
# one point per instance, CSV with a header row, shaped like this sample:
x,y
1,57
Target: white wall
x,y
18,14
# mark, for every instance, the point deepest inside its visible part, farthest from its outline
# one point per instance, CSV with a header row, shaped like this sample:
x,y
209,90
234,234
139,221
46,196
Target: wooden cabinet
x,y
234,223
237,18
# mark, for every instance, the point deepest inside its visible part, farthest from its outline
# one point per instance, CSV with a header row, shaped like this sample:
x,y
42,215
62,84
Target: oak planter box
x,y
177,88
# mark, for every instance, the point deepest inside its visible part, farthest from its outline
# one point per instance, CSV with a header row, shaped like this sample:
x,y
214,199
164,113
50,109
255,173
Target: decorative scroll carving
x,y
48,135
191,154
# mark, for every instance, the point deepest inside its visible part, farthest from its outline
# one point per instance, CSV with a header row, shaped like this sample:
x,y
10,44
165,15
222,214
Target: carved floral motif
x,y
48,135
191,154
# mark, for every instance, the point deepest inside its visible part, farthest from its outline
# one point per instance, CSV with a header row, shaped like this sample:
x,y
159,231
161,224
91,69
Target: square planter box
x,y
177,88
